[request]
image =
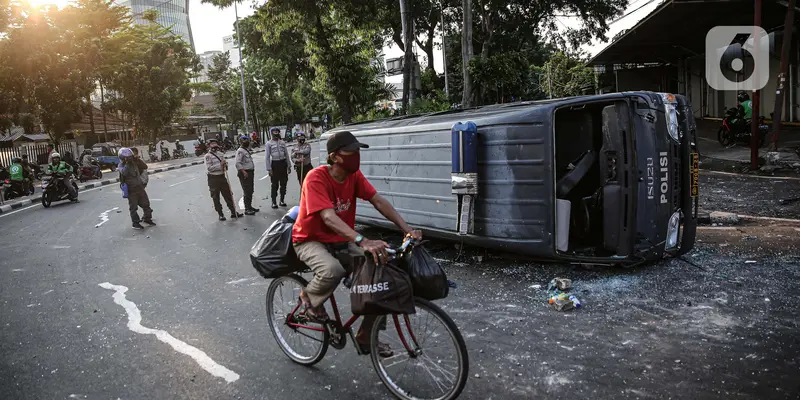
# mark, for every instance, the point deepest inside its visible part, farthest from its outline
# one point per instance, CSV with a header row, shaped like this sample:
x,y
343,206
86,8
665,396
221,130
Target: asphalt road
x,y
727,328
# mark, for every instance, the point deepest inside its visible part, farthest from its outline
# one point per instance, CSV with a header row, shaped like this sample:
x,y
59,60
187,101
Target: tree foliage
x,y
52,60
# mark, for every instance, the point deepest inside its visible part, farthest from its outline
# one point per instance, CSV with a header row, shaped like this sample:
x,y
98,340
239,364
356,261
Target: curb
x,y
38,197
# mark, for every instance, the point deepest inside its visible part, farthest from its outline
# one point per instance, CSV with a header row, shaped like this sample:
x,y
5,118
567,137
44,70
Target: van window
x,y
97,151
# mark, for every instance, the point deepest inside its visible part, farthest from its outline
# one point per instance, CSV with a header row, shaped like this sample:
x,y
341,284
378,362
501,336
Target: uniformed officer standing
x,y
278,166
246,168
216,168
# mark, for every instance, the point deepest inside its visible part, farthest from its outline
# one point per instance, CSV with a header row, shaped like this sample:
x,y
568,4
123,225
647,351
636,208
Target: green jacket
x,y
747,109
17,172
61,168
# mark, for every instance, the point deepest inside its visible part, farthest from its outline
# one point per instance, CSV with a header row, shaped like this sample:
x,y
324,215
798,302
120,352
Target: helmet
x,y
299,134
244,137
16,160
87,151
742,96
125,152
55,155
275,130
177,141
212,140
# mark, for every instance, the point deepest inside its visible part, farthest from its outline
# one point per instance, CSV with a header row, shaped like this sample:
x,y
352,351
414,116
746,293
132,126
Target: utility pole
x,y
777,116
241,68
444,55
754,139
466,52
408,44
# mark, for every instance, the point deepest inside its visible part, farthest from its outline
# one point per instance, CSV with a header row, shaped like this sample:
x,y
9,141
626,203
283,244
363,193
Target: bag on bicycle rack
x,y
273,255
380,290
427,277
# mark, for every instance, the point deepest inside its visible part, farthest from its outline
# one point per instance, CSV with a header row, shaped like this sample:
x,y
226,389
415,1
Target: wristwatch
x,y
359,239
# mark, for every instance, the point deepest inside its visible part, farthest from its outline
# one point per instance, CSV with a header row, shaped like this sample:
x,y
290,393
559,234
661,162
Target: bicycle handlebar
x,y
408,241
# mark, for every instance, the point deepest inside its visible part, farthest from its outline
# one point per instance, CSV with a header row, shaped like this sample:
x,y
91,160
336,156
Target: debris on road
x,y
560,284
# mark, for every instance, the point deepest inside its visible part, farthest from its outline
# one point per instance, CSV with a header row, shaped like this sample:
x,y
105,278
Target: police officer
x,y
246,168
301,156
216,168
278,166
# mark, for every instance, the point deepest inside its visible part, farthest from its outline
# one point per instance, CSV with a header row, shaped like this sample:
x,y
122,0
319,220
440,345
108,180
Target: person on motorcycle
x,y
19,176
227,144
87,161
745,105
178,147
61,171
130,173
32,169
326,220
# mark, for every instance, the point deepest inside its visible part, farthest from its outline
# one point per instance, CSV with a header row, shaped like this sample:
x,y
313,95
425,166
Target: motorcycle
x,y
54,190
227,146
199,149
736,130
87,173
14,189
179,153
164,153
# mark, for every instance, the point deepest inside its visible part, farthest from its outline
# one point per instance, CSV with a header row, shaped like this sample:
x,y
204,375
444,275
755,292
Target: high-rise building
x,y
206,60
229,44
173,14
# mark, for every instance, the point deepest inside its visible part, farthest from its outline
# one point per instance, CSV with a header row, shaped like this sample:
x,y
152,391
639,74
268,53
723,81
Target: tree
x,y
152,80
466,54
564,75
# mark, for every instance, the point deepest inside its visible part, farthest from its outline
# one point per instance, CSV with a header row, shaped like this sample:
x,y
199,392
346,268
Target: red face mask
x,y
351,163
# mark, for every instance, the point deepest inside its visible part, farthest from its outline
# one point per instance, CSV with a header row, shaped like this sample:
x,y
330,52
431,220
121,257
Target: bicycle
x,y
411,345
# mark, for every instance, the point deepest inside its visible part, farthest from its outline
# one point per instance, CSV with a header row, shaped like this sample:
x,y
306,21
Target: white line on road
x,y
188,180
104,216
241,203
37,204
135,324
263,177
61,247
239,281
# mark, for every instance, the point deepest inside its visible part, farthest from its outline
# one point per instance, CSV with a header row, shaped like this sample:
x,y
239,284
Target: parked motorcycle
x,y
736,130
199,149
53,190
87,173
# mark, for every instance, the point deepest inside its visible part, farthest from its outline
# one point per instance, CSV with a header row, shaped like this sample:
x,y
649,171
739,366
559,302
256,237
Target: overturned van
x,y
607,179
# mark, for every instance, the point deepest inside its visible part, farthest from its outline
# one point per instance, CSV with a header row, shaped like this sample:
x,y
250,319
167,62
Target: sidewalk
x,y
152,168
714,156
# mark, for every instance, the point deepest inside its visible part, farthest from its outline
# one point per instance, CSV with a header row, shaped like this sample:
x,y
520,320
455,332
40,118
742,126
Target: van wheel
x,y
46,199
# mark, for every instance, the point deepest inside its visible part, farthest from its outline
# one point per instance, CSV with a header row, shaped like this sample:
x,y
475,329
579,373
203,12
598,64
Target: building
x,y
230,45
206,60
171,13
644,58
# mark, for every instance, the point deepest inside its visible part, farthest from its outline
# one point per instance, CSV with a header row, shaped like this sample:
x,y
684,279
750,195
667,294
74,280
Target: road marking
x,y
156,199
263,177
104,216
241,203
239,281
188,180
17,270
38,204
135,324
61,247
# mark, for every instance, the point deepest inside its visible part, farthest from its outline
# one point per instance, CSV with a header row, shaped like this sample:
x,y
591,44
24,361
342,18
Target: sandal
x,y
316,314
384,350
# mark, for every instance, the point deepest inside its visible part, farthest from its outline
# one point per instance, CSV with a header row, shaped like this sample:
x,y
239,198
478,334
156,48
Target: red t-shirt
x,y
320,191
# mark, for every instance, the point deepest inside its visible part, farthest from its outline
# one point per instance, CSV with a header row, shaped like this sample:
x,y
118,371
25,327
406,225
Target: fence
x,y
37,152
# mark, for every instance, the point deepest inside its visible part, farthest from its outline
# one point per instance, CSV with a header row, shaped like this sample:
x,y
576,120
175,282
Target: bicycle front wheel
x,y
303,341
430,359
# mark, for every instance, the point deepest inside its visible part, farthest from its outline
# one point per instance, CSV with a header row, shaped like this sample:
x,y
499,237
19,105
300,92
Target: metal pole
x,y
756,93
781,89
444,56
241,68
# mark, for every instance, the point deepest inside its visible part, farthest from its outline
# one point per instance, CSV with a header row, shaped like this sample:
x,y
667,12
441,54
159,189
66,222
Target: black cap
x,y
344,140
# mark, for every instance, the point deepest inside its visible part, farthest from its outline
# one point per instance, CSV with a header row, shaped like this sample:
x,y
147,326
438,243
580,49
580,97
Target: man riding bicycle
x,y
326,222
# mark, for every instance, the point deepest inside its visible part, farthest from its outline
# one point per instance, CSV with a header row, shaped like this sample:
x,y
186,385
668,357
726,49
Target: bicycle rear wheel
x,y
302,344
430,359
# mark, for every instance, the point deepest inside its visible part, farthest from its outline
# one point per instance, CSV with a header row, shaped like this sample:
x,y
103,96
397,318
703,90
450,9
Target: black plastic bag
x,y
427,277
380,290
273,255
